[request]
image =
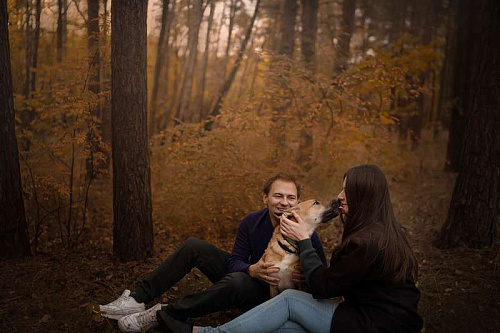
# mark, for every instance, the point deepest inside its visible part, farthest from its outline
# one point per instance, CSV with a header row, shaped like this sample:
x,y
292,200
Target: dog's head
x,y
313,213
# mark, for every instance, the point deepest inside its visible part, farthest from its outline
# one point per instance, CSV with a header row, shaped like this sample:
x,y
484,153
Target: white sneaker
x,y
122,306
139,322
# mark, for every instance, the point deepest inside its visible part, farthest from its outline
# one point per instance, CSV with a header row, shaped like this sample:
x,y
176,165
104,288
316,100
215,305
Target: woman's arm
x,y
346,269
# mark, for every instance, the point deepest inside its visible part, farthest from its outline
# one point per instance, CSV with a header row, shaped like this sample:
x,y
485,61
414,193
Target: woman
x,y
374,269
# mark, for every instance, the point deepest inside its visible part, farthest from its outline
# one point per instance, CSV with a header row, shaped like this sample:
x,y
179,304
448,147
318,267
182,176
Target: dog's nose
x,y
335,203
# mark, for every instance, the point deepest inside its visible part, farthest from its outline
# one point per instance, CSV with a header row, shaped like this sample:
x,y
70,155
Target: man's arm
x,y
239,260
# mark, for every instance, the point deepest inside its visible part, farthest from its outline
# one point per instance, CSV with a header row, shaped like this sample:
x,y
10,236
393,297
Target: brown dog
x,y
284,252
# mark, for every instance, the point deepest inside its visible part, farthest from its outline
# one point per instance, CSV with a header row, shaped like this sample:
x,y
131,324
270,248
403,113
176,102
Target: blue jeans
x,y
290,311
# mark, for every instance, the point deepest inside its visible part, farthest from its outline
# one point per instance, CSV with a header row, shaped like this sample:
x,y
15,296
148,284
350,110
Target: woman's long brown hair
x,y
367,194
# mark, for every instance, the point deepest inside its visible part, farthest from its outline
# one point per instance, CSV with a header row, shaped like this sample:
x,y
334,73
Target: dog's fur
x,y
285,256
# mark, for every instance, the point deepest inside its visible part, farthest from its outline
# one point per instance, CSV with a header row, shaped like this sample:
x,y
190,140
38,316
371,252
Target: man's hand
x,y
263,271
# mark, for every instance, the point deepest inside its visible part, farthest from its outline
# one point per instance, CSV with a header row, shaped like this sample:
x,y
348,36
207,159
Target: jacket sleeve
x,y
316,242
240,257
346,270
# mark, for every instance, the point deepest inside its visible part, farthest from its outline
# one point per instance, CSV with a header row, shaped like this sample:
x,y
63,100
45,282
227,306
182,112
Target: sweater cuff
x,y
309,259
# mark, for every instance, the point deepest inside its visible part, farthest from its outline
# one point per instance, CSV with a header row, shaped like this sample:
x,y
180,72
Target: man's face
x,y
282,196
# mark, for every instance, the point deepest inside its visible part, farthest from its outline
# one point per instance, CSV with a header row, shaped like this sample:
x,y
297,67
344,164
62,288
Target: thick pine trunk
x,y
14,239
132,218
474,215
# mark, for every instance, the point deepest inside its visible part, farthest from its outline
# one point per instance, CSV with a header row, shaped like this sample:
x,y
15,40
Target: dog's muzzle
x,y
332,211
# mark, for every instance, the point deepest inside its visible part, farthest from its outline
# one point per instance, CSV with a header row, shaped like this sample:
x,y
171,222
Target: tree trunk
x,y
185,113
161,50
474,215
447,72
422,27
287,42
347,28
62,21
309,27
93,46
232,15
232,74
36,40
105,73
199,99
308,46
29,57
132,210
244,74
14,239
464,76
94,83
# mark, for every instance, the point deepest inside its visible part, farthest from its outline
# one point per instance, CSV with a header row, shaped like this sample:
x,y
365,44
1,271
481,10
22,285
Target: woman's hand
x,y
294,230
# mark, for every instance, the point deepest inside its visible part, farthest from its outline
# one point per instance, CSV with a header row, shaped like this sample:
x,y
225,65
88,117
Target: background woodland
x,y
160,120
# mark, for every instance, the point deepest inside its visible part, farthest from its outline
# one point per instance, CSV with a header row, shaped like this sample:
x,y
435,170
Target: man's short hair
x,y
284,177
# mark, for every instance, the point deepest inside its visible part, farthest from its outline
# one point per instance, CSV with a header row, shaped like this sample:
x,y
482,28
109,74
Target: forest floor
x,y
56,292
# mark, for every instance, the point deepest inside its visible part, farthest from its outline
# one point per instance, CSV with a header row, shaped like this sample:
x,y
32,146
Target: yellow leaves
x,y
386,119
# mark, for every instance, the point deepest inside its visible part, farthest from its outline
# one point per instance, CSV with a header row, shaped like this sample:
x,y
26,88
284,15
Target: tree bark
x,y
36,41
105,73
232,15
288,18
447,74
94,84
14,239
474,215
161,50
199,99
464,76
347,29
62,21
132,210
185,113
309,27
232,74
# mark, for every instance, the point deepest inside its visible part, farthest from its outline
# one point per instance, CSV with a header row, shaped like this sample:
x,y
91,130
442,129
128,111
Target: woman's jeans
x,y
290,311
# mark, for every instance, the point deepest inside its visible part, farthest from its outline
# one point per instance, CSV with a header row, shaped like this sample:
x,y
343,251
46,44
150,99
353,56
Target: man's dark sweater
x,y
254,233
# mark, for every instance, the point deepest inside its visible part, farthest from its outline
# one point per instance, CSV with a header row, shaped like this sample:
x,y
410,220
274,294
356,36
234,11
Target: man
x,y
241,279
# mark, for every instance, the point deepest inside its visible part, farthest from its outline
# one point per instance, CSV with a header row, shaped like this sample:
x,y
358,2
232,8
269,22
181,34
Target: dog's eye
x,y
316,202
